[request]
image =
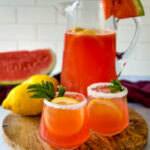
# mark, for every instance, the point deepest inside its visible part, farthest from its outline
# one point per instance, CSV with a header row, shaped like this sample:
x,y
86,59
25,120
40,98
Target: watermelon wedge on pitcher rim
x,y
122,8
17,66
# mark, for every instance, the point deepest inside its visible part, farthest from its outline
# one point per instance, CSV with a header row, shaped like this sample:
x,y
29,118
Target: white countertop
x,y
145,112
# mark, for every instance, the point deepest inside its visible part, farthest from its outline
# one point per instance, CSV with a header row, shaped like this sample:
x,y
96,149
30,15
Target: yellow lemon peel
x,y
19,102
64,101
83,30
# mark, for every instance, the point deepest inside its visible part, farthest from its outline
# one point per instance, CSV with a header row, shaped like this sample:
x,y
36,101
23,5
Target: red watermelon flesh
x,y
122,8
108,8
18,66
128,8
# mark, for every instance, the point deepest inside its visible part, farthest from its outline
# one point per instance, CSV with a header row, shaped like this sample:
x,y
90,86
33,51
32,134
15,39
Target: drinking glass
x,y
108,112
65,126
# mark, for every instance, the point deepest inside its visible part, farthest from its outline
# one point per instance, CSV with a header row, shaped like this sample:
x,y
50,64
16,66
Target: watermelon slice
x,y
108,8
128,8
17,66
122,8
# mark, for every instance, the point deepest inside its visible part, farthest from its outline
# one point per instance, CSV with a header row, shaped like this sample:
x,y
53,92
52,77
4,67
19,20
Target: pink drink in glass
x,y
110,115
65,126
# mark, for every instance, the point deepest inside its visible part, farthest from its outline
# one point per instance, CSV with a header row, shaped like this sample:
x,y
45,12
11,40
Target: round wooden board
x,y
21,133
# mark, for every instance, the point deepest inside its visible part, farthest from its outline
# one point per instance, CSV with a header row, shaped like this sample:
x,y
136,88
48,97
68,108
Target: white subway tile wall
x,y
36,15
9,14
8,45
17,2
33,24
17,32
50,32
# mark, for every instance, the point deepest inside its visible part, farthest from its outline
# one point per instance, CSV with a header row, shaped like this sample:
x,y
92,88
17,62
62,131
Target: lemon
x,y
77,29
64,101
38,78
102,104
19,101
83,30
87,32
104,113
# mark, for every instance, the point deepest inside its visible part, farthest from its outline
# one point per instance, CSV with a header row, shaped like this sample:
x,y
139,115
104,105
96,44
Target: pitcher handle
x,y
121,59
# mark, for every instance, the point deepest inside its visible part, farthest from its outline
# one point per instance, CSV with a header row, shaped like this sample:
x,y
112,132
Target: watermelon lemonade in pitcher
x,y
90,47
85,69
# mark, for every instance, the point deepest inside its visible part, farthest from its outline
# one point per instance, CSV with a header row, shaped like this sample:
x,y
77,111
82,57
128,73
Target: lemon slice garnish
x,y
108,114
87,32
64,101
77,29
83,30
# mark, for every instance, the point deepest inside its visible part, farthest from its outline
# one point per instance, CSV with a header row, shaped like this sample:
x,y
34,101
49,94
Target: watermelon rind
x,y
140,9
51,67
48,71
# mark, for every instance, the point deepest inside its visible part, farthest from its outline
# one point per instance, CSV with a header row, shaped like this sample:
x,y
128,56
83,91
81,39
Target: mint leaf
x,y
116,86
61,91
45,90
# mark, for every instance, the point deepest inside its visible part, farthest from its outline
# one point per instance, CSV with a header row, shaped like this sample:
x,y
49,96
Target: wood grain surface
x,y
21,133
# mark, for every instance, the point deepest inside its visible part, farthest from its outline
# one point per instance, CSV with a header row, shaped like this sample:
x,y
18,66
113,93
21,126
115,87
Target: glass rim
x,y
72,106
105,95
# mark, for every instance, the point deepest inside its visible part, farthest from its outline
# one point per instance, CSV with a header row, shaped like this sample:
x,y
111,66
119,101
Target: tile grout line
x,y
16,15
36,32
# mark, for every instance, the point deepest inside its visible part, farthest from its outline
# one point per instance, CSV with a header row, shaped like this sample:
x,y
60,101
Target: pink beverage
x,y
63,125
108,112
88,58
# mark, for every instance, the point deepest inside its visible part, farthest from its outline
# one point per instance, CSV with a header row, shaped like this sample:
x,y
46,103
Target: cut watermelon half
x,y
122,8
17,66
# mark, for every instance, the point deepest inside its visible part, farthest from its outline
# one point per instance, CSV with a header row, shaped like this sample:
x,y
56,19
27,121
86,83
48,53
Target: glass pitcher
x,y
90,46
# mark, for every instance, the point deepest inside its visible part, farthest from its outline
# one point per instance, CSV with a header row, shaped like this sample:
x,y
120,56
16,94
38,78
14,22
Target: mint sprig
x,y
61,91
116,86
45,90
